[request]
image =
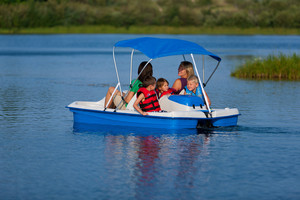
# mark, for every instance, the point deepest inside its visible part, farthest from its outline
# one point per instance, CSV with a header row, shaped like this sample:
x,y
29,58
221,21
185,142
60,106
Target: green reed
x,y
281,67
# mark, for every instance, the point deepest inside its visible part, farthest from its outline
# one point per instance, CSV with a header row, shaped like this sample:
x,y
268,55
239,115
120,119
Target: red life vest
x,y
170,91
150,103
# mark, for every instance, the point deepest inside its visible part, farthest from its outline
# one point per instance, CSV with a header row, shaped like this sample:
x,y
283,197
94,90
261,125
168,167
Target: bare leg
x,y
108,95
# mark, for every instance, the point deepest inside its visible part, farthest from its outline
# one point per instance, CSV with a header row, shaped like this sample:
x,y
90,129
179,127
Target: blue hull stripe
x,y
127,119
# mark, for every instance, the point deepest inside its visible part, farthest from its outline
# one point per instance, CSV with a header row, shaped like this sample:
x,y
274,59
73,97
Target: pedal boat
x,y
179,111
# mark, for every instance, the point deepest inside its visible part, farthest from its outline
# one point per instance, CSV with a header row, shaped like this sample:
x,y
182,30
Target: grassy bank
x,y
19,14
152,30
280,67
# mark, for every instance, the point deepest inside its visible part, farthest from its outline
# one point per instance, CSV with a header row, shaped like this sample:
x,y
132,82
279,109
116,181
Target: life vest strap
x,y
147,104
152,108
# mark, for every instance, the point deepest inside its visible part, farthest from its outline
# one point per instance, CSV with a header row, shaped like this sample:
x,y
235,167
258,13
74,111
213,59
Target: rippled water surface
x,y
42,156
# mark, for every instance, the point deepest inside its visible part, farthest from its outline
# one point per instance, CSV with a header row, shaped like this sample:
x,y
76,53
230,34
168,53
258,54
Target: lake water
x,y
42,156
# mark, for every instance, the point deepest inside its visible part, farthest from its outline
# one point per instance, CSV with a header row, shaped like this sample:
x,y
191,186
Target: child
x,y
146,98
162,88
192,88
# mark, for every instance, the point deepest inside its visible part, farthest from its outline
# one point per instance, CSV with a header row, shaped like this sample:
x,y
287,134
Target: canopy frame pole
x,y
203,64
131,63
112,96
183,57
122,102
115,63
200,83
212,73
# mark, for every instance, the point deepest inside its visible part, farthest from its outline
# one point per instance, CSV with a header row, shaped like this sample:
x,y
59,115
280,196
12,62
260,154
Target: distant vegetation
x,y
20,14
273,67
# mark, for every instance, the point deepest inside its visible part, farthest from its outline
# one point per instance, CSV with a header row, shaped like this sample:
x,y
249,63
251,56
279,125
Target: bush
x,y
15,14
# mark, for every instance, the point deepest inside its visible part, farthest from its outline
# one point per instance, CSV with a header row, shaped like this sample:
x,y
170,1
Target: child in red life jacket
x,y
146,97
162,88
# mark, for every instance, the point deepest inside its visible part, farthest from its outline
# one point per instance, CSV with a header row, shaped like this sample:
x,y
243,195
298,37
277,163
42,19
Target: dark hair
x,y
148,71
149,80
160,82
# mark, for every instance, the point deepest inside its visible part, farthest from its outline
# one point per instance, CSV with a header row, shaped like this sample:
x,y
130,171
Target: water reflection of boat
x,y
154,162
136,131
181,111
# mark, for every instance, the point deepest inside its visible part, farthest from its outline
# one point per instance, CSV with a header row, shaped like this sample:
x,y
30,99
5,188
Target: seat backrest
x,y
131,102
180,103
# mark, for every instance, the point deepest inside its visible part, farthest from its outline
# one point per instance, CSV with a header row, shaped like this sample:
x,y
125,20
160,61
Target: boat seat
x,y
130,104
180,103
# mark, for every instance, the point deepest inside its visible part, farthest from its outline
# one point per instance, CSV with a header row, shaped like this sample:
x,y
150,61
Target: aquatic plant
x,y
273,67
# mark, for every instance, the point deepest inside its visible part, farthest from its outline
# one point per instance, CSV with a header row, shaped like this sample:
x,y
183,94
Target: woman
x,y
185,70
135,85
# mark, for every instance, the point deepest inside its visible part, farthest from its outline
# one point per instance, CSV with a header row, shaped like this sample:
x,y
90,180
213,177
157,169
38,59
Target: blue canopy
x,y
160,47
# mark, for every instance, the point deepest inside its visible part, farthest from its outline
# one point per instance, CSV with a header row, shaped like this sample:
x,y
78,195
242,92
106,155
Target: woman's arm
x,y
136,103
207,98
177,85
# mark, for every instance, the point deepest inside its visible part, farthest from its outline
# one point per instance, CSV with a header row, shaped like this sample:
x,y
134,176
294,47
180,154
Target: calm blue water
x,y
43,157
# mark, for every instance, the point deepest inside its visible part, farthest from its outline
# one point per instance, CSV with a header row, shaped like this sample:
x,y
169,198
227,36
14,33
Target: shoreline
x,y
105,29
